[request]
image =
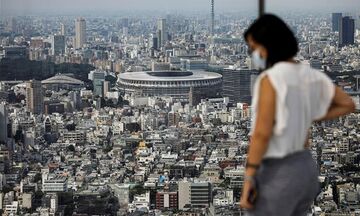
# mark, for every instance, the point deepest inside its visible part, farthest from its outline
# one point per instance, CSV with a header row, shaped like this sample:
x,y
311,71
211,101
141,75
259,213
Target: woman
x,y
288,98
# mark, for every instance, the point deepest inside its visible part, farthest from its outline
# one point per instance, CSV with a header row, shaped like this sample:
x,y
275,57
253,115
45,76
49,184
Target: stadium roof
x,y
169,76
62,79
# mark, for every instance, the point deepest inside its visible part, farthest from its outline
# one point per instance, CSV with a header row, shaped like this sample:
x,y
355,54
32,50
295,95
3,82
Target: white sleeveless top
x,y
302,96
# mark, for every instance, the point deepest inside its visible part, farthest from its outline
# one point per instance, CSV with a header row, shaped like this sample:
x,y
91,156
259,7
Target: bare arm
x,y
263,126
342,104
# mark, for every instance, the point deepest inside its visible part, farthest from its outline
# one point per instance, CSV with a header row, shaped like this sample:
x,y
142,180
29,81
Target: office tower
x,y
159,39
162,31
3,123
57,44
173,118
154,41
212,24
237,85
62,29
194,194
98,78
347,31
336,19
80,33
34,97
106,87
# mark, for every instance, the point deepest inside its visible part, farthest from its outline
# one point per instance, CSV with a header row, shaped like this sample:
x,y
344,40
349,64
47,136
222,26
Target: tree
x,y
71,127
137,190
37,177
71,148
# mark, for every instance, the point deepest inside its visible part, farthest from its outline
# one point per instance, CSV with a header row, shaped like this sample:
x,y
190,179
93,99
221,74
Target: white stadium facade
x,y
182,86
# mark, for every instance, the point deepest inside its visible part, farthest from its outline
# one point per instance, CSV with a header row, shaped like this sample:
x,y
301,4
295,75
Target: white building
x,y
11,209
225,198
53,183
140,201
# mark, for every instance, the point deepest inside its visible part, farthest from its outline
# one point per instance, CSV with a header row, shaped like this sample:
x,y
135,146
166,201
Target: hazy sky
x,y
59,6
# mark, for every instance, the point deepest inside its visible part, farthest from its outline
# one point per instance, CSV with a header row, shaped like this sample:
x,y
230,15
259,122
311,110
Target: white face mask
x,y
258,62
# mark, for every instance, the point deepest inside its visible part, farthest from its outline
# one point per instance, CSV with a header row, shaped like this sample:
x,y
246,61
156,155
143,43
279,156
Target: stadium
x,y
182,86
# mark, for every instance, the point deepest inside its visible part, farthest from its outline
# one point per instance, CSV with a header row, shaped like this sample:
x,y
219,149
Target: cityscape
x,y
149,113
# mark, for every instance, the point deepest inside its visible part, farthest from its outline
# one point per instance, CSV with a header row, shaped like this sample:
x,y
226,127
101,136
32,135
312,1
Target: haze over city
x,y
25,7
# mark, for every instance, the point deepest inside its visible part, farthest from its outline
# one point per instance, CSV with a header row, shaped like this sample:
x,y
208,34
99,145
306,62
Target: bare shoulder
x,y
266,85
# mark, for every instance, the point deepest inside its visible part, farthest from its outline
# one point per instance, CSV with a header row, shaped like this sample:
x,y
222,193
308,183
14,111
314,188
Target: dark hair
x,y
271,32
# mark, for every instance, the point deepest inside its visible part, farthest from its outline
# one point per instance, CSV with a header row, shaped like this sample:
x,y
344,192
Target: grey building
x,y
98,83
80,33
15,52
238,83
3,123
194,64
162,32
57,44
347,31
336,19
194,194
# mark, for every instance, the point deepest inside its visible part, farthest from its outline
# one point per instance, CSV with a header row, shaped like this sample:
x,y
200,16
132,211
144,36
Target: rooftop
x,y
62,79
169,75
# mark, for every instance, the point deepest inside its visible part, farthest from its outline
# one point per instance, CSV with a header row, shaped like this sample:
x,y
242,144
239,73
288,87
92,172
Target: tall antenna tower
x,y
212,25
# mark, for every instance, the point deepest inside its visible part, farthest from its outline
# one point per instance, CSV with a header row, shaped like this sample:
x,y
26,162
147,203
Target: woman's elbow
x,y
262,136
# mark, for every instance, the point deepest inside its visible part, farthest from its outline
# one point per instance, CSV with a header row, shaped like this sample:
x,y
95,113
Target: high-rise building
x,y
98,78
34,97
80,33
173,118
154,41
212,21
347,31
237,85
3,123
162,29
57,44
336,19
159,39
194,194
106,87
62,29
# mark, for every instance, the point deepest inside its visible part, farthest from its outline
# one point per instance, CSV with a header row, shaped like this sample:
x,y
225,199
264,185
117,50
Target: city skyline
x,y
21,7
106,109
